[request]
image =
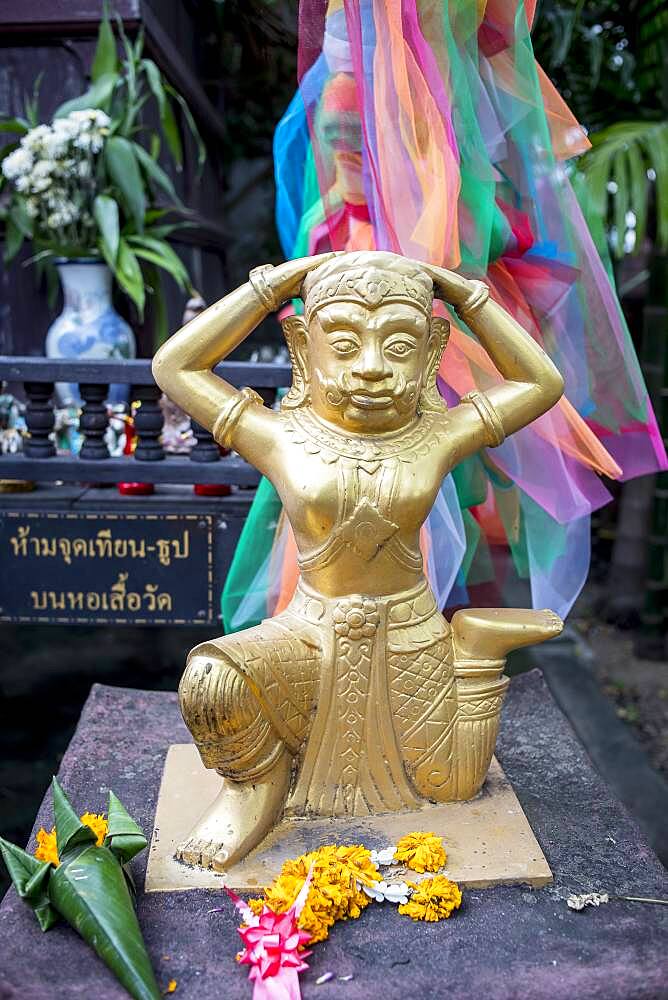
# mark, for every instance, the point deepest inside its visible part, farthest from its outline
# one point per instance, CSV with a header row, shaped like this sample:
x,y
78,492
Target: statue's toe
x,y
196,851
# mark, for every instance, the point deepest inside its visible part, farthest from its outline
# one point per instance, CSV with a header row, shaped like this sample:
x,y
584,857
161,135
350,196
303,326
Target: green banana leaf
x,y
90,889
124,838
30,878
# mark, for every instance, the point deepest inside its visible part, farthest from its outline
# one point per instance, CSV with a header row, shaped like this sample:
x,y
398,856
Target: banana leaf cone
x,y
90,889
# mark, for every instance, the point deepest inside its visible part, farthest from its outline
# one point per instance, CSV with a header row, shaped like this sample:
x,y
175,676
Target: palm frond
x,y
627,160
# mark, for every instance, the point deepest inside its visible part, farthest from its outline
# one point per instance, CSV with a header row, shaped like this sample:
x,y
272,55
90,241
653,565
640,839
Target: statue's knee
x,y
215,698
227,721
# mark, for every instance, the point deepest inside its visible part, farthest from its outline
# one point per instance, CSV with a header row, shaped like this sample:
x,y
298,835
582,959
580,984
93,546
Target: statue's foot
x,y
494,632
237,820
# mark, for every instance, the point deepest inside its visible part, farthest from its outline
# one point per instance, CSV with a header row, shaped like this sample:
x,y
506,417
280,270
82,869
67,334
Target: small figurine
x,y
360,697
12,423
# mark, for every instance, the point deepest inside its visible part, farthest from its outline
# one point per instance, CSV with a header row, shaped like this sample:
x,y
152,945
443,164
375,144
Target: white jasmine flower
x,y
55,144
383,857
587,899
32,207
85,115
83,168
17,163
39,183
96,142
393,892
65,213
35,137
65,129
90,117
43,168
83,141
40,177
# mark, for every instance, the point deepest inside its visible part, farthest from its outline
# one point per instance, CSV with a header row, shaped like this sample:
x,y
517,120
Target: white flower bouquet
x,y
88,183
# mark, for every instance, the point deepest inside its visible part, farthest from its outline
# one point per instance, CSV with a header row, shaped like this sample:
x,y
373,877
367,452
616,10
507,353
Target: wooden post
x,y
148,424
39,420
94,420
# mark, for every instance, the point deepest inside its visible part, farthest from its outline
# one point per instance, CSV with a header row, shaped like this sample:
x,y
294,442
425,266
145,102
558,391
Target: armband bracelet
x,y
262,288
230,415
495,434
475,300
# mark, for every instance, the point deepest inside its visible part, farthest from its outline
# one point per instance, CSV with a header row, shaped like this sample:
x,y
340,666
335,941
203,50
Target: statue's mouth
x,y
370,401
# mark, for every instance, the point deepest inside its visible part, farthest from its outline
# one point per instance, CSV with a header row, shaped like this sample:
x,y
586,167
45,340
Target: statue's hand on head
x,y
531,383
449,286
276,285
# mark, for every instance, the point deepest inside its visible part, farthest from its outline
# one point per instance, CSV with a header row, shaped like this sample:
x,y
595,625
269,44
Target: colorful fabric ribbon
x,y
427,128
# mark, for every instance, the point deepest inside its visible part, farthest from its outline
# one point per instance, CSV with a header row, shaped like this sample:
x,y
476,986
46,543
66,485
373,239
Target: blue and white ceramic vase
x,y
88,326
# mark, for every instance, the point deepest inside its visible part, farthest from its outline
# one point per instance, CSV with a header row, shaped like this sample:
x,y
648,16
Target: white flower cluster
x,y
394,892
578,902
53,167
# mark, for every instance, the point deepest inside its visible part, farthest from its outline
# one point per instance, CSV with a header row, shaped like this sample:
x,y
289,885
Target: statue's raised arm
x,y
183,365
531,386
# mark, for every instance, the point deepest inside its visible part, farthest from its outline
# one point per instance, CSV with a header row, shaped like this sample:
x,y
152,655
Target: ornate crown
x,y
370,287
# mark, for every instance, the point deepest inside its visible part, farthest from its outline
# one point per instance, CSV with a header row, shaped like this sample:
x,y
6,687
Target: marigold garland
x,y
432,899
335,893
47,848
421,852
333,883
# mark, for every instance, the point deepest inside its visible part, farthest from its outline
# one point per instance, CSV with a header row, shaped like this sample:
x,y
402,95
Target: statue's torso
x,y
356,504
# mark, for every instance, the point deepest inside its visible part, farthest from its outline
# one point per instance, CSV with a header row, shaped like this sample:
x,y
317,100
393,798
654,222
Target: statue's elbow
x,y
553,387
158,373
161,369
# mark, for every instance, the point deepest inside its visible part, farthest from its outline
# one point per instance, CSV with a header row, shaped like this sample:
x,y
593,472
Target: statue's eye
x,y
345,345
399,348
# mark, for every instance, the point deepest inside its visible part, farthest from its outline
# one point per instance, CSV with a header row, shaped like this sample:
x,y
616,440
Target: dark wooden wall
x,y
56,39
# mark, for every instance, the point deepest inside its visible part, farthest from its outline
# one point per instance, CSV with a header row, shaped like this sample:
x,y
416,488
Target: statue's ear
x,y
430,398
294,331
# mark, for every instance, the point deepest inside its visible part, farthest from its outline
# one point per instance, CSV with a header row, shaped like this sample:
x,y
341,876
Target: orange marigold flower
x,y
432,899
422,852
335,893
47,849
98,825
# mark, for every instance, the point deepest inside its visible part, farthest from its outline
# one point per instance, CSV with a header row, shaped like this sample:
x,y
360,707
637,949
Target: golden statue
x,y
360,697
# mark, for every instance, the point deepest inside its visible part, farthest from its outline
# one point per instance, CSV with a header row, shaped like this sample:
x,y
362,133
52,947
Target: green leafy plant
x,y
89,183
618,170
609,61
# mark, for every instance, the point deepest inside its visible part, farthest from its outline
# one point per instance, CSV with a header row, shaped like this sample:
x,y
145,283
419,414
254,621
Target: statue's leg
x,y
482,638
246,699
424,703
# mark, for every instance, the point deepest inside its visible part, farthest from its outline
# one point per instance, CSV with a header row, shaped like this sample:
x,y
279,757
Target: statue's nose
x,y
371,364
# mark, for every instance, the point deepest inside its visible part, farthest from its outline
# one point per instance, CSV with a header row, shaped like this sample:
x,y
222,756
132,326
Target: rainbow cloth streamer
x,y
427,128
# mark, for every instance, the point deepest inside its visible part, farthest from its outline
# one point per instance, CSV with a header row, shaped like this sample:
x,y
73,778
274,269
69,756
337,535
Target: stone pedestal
x,y
505,942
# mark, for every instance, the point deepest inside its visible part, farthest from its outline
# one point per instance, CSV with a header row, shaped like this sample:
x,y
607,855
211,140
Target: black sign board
x,y
89,568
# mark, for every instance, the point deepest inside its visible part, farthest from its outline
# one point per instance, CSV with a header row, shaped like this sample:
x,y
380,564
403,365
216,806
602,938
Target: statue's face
x,y
367,365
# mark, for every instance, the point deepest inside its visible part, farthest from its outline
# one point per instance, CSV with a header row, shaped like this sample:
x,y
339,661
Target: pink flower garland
x,y
271,947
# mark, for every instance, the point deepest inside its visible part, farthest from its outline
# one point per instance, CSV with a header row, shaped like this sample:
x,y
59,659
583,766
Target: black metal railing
x,y
149,463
